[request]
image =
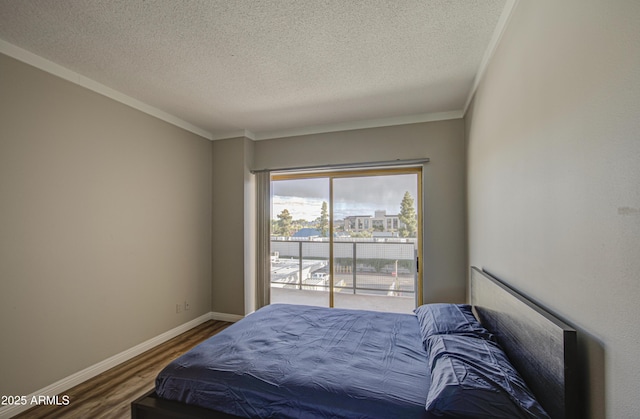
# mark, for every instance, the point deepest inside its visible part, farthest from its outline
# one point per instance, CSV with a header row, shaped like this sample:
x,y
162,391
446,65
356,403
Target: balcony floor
x,y
344,300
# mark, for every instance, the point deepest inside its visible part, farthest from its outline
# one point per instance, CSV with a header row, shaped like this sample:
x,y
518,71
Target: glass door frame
x,y
351,173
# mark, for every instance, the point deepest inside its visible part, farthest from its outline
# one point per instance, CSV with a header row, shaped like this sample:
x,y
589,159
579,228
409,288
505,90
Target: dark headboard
x,y
542,347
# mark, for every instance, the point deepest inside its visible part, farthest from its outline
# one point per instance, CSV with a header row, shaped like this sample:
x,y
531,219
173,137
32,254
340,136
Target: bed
x,y
301,361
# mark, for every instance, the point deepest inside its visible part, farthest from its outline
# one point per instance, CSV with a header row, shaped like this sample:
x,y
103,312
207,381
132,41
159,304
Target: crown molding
x,y
346,126
234,134
503,21
73,77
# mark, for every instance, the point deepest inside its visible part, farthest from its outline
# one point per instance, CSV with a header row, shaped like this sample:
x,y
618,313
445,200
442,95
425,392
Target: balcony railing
x,y
360,267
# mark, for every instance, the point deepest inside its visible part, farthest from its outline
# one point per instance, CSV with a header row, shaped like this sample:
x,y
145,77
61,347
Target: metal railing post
x,y
354,267
300,268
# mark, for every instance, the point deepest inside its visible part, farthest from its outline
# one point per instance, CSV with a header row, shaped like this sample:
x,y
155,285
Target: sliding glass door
x,y
375,242
347,239
300,241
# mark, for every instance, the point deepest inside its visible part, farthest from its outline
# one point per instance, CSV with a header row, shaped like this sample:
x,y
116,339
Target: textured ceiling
x,y
270,67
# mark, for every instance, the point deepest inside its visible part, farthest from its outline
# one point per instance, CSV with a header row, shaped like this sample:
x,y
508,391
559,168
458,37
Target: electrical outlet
x,y
178,308
186,306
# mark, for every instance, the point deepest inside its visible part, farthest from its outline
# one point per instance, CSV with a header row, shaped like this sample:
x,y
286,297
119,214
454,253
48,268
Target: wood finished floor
x,y
109,395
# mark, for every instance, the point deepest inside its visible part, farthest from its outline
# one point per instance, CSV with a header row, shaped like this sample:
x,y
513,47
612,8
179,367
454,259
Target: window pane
x,y
300,242
375,224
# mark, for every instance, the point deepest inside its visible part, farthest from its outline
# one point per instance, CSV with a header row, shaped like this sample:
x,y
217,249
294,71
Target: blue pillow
x,y
473,378
447,319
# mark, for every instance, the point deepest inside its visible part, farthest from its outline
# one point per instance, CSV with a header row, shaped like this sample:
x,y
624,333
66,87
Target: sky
x,y
353,196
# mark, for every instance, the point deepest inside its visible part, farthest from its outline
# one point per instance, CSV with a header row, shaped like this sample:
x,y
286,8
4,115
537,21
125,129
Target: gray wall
x,y
554,180
443,189
105,221
232,256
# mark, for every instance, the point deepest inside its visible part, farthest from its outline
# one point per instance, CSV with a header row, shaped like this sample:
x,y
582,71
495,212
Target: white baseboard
x,y
81,376
226,317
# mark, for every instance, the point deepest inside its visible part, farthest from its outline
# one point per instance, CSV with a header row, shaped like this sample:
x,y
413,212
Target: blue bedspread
x,y
292,361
